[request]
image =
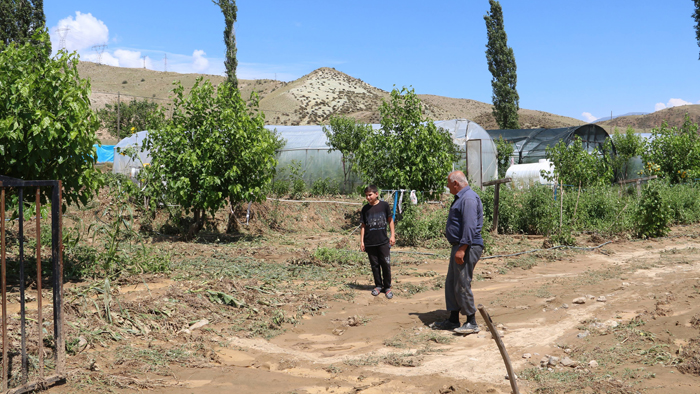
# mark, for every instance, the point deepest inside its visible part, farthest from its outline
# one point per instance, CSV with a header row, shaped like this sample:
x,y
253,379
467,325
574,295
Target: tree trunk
x,y
232,226
197,224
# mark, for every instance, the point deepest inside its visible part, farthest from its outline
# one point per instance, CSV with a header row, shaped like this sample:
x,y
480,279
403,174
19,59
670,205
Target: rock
x,y
553,361
82,344
611,324
501,327
567,362
199,324
550,299
565,306
625,284
580,300
590,296
593,364
544,361
338,332
601,299
567,351
583,334
527,355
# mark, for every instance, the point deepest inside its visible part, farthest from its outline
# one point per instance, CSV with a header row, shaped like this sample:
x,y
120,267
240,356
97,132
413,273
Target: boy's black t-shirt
x,y
375,218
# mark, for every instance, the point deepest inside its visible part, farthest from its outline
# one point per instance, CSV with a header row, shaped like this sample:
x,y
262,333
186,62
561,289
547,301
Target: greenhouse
x,y
529,144
306,146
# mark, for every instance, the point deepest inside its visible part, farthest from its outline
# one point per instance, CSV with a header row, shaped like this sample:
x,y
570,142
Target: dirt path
x,y
373,345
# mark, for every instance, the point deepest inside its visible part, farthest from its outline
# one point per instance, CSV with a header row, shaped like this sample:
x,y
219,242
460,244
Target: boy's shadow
x,y
356,286
431,317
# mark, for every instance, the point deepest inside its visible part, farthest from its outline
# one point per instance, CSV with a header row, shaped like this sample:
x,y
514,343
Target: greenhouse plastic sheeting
x,y
124,164
529,144
307,145
105,153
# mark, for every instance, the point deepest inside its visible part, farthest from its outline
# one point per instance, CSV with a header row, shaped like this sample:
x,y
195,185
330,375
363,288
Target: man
x,y
463,231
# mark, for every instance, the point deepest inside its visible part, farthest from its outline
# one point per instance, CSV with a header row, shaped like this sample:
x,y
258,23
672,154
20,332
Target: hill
x,y
311,99
644,123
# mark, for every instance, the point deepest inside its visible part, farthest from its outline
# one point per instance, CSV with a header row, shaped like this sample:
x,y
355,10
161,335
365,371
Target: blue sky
x,y
581,59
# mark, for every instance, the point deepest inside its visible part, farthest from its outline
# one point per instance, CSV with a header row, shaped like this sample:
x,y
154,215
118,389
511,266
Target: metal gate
x,y
40,371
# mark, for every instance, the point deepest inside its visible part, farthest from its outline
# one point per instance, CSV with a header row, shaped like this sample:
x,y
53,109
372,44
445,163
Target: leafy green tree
x,y
696,16
573,165
20,20
47,129
409,151
504,150
345,135
675,150
501,61
216,147
230,11
627,146
136,115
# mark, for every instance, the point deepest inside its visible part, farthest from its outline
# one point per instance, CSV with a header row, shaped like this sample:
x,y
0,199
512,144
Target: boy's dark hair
x,y
371,188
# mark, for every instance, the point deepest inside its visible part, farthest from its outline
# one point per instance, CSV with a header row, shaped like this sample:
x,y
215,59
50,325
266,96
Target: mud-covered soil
x,y
276,311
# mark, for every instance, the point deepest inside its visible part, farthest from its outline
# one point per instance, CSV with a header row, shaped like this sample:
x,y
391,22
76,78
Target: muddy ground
x,y
300,319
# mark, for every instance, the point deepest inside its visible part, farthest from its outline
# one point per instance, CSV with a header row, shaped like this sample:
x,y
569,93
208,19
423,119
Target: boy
x,y
374,240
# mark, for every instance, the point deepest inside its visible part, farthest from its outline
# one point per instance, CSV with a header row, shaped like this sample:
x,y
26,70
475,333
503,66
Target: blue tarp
x,y
105,153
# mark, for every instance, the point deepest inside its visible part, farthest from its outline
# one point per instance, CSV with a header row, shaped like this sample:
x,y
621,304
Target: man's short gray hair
x,y
458,177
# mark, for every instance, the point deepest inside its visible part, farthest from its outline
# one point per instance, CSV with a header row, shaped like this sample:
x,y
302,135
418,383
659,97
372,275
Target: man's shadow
x,y
357,286
431,317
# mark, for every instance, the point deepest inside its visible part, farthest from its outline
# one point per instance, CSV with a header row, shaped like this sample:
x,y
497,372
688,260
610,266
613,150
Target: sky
x,y
582,59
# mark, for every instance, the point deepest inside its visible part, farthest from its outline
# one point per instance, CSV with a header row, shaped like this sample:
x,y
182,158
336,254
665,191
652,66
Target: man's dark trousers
x,y
458,285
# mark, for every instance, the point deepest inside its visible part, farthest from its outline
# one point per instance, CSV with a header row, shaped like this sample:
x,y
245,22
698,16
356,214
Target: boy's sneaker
x,y
376,291
444,325
467,328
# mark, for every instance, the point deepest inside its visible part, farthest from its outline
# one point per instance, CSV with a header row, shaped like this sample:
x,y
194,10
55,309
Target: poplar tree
x,y
229,9
20,19
501,61
696,16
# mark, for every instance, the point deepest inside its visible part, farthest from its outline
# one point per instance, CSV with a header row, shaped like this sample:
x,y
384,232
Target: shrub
x,y
539,212
653,215
324,187
418,227
136,115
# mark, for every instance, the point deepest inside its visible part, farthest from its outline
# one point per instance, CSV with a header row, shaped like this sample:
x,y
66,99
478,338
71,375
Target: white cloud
x,y
588,117
674,102
83,32
132,59
199,62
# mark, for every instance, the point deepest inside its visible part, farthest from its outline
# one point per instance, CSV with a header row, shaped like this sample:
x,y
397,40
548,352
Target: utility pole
x,y
118,117
99,49
144,61
165,62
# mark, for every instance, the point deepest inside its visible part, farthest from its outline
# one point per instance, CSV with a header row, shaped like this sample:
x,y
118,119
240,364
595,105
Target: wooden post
x,y
501,347
496,198
637,182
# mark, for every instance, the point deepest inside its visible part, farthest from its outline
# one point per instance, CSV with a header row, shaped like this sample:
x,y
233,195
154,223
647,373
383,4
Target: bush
x,y
540,212
324,187
280,188
418,227
653,216
134,116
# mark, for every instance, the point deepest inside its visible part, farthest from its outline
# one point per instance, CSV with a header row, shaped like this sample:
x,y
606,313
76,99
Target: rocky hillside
x,y
311,99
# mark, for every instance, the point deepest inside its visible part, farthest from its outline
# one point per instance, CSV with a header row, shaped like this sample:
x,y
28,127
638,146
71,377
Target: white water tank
x,y
525,175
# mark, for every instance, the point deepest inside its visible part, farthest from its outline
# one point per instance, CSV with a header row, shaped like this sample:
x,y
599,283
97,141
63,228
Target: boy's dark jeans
x,y
380,261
